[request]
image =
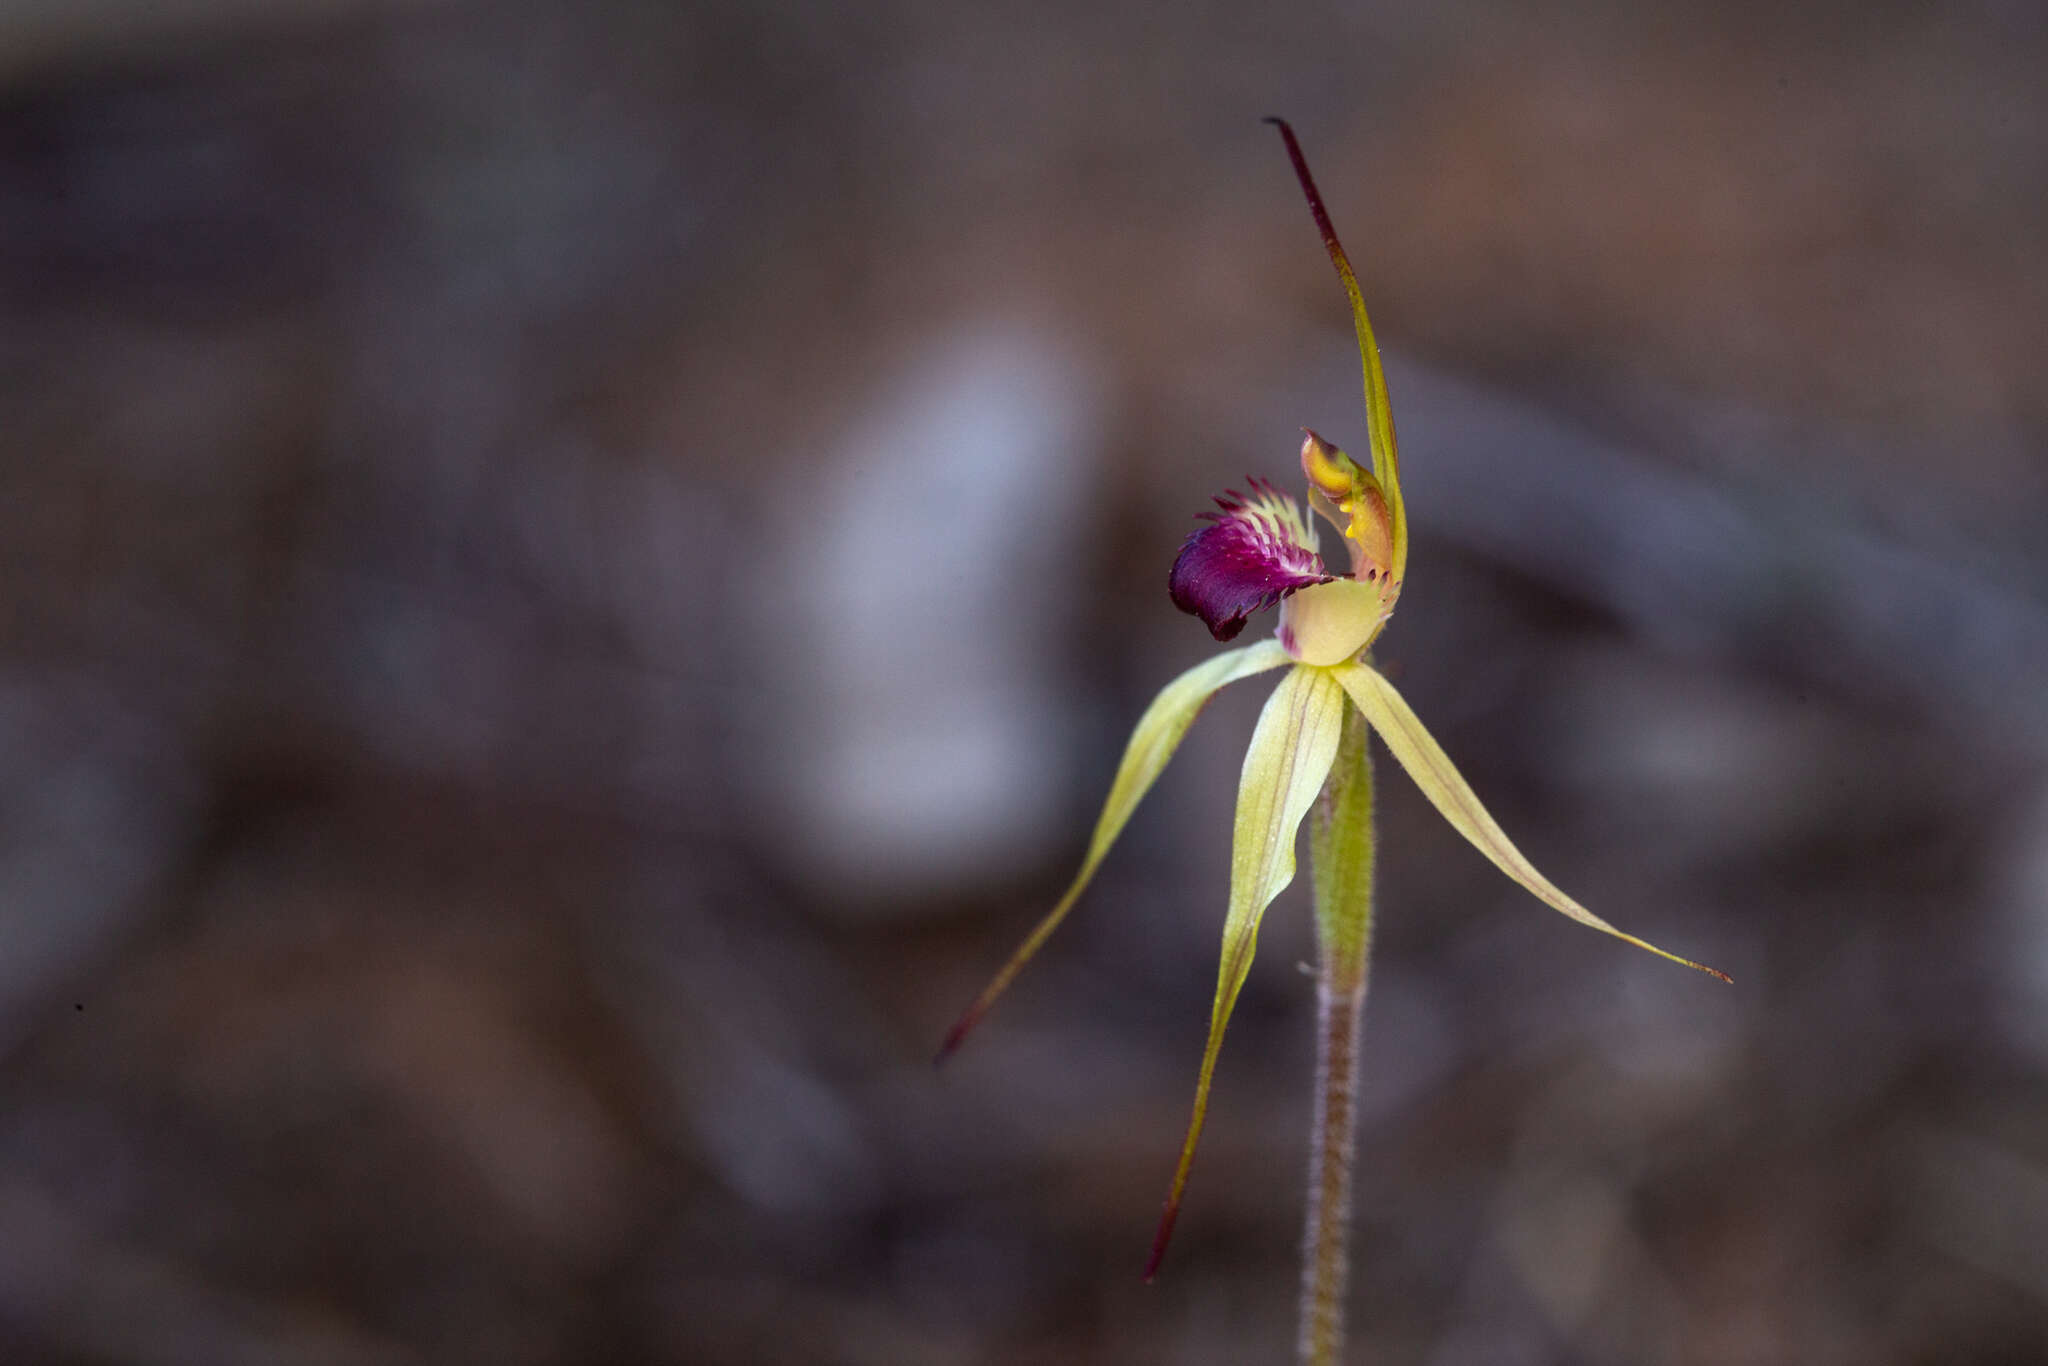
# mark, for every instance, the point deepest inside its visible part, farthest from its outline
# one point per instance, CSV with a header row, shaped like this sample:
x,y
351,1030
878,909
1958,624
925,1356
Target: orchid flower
x,y
1259,550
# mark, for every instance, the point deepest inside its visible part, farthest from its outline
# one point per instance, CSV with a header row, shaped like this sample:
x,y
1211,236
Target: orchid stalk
x,y
1308,750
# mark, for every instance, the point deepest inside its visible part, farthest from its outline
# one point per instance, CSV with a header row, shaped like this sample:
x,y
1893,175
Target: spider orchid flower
x,y
1258,551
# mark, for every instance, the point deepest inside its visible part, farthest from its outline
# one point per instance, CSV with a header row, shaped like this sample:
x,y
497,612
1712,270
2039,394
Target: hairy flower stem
x,y
1341,856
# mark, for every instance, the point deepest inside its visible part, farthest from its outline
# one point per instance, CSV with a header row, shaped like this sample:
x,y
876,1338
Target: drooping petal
x,y
1253,553
1379,415
1290,756
1431,768
1157,735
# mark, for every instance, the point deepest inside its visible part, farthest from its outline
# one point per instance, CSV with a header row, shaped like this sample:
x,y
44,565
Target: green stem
x,y
1341,855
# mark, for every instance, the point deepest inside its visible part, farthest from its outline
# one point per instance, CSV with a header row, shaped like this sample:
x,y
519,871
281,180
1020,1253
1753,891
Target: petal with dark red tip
x,y
1292,749
1152,744
1255,552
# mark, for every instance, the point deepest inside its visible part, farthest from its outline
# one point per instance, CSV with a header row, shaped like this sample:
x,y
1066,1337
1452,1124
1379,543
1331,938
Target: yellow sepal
x,y
1290,756
1426,762
1153,742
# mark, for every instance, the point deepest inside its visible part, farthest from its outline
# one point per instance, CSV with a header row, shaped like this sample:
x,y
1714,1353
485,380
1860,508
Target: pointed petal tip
x,y
957,1035
1666,954
1161,1239
1672,957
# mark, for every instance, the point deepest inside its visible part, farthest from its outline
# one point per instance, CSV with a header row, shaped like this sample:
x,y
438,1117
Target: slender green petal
x,y
1431,768
1290,755
1157,736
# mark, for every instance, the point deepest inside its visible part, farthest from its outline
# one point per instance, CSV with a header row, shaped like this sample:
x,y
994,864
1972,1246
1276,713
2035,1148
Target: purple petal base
x,y
1251,555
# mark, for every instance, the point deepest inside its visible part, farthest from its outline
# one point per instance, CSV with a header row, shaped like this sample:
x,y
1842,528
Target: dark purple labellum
x,y
1253,553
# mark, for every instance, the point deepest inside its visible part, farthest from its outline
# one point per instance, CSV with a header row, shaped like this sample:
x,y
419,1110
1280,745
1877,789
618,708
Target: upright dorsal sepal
x,y
1379,416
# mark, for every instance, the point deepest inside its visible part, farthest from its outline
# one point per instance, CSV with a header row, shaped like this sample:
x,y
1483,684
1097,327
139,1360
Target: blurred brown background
x,y
572,576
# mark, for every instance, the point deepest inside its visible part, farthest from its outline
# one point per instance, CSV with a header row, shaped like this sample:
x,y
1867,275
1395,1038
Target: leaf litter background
x,y
572,574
